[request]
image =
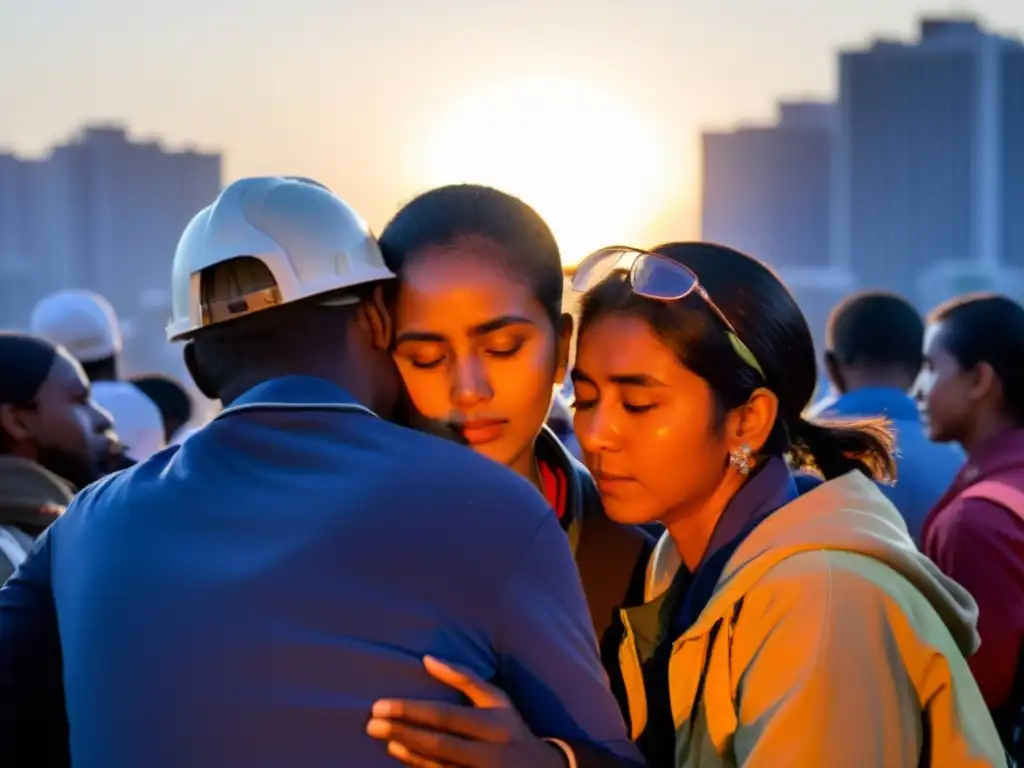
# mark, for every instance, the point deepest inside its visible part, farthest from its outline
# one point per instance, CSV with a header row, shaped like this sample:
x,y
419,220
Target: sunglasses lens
x,y
662,279
599,265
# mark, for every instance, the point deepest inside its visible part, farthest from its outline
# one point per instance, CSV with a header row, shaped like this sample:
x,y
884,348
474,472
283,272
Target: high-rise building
x,y
120,206
23,236
1012,159
767,189
102,212
924,169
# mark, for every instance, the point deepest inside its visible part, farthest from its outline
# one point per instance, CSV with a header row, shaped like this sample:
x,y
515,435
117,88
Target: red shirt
x,y
555,487
980,544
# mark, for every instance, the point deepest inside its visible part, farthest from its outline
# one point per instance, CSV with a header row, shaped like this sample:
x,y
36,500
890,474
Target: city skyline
x,y
360,115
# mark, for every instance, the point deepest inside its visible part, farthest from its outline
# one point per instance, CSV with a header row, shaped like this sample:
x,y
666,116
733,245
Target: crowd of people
x,y
415,534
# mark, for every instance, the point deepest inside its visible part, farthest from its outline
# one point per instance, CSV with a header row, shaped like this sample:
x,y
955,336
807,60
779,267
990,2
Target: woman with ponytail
x,y
779,628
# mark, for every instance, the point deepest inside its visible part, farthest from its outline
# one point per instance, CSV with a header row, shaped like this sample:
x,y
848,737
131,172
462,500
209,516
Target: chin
x,y
937,434
626,513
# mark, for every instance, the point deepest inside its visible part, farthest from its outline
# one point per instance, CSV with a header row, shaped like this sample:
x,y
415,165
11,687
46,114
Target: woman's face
x,y
944,391
645,422
476,349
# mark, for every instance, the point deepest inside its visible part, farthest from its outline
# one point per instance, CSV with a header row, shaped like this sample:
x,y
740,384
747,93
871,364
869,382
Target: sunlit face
x,y
476,349
645,422
943,390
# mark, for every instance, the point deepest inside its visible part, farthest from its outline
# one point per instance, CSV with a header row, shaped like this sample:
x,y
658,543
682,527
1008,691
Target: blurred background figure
x,y
971,392
53,440
173,400
874,353
85,324
560,422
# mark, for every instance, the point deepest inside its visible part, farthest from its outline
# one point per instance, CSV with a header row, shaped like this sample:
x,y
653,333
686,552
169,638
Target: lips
x,y
611,483
481,431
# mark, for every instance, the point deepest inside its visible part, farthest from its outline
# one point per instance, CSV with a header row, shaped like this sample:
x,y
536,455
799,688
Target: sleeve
x,y
979,544
33,721
548,655
825,683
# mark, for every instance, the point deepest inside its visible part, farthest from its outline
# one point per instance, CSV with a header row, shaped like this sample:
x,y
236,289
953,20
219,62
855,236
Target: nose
x,y
918,388
101,419
596,430
470,384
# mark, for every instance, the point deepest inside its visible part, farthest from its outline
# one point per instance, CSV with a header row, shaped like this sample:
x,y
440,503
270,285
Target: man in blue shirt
x,y
875,342
244,598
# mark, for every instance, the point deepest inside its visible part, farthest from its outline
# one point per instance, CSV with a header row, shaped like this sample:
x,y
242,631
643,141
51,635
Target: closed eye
x,y
630,408
507,350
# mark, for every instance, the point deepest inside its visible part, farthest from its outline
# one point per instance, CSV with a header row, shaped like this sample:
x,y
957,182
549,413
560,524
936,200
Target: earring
x,y
739,459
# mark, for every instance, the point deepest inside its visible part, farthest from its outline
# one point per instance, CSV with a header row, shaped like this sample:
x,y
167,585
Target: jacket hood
x,y
848,514
30,495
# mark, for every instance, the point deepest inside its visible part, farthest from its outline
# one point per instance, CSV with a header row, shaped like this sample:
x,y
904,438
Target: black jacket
x,y
612,558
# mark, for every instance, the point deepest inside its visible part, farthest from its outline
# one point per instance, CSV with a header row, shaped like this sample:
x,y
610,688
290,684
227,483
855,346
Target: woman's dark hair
x,y
987,328
443,215
170,396
770,323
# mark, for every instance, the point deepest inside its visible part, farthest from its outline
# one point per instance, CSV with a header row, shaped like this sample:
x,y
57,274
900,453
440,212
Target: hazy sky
x,y
353,93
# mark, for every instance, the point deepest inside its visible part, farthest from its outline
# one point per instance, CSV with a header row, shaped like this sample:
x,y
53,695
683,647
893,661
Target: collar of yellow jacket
x,y
847,514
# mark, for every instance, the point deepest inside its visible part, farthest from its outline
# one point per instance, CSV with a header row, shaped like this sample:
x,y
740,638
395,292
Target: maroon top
x,y
980,544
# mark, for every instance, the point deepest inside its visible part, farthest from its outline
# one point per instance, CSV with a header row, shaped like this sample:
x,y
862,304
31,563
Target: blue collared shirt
x,y
244,598
924,470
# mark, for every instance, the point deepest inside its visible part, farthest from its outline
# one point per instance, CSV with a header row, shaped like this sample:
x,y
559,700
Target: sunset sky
x,y
590,109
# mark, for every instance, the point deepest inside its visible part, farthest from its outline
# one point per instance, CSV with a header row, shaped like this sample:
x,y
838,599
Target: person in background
x,y
482,343
53,440
780,630
560,422
85,324
971,392
173,400
242,599
873,357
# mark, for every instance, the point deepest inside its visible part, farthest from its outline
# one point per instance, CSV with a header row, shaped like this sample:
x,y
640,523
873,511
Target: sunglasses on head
x,y
655,277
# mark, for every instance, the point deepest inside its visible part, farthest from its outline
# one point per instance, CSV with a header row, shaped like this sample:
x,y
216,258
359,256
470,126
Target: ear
x,y
375,320
15,423
752,423
834,371
984,382
564,347
196,372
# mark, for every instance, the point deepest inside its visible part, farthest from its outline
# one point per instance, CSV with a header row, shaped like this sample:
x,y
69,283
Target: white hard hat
x,y
310,240
82,322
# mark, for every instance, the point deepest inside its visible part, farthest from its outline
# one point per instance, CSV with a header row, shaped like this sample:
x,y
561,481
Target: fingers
x,y
403,755
476,690
423,748
456,719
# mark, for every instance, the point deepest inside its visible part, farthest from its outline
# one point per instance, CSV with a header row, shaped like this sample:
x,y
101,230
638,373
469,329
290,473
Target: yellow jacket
x,y
828,641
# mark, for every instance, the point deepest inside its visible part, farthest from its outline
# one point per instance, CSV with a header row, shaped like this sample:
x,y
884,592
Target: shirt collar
x,y
869,401
771,487
296,392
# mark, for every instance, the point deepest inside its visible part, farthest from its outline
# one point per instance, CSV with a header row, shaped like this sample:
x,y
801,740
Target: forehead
x,y
66,377
933,335
620,345
464,283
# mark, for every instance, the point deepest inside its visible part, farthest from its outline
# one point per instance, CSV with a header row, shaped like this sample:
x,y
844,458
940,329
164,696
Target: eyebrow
x,y
482,329
621,379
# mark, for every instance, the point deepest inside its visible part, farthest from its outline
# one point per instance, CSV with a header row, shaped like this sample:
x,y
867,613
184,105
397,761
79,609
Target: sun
x,y
577,154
